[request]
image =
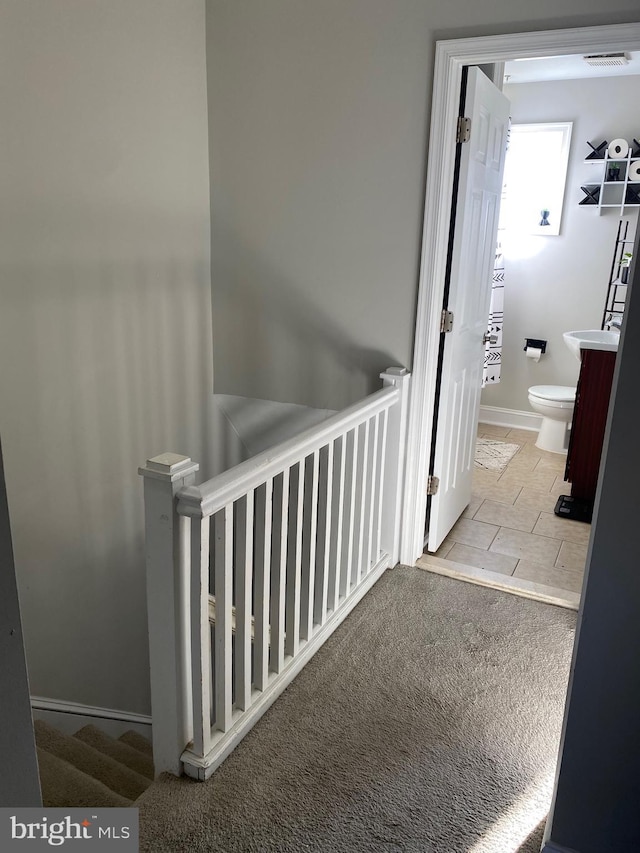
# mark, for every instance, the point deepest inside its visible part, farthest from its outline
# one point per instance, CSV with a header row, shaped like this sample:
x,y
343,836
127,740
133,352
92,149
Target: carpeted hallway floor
x,y
428,723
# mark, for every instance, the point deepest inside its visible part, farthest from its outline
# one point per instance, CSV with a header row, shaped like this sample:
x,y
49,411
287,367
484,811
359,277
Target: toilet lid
x,y
559,393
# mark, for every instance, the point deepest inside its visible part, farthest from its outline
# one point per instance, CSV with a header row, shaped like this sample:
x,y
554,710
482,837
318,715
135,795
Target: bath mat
x,y
492,455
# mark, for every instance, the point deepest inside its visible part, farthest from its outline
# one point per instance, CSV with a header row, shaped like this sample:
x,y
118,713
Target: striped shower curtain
x,y
493,351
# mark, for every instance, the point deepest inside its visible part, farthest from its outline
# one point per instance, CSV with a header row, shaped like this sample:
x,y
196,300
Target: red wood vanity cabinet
x,y
589,421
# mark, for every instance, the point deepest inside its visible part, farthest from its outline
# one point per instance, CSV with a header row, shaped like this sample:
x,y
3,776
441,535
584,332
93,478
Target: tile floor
x,y
509,526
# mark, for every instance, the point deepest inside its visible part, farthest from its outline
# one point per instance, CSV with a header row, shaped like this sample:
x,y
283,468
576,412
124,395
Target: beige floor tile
x,y
466,531
482,477
525,435
488,560
572,556
561,528
527,452
525,445
529,480
558,578
473,506
492,430
552,466
526,546
509,526
560,487
504,493
548,455
525,462
444,549
517,518
533,499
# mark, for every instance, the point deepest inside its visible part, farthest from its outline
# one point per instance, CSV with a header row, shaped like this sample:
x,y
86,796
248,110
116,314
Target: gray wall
x,y
19,782
596,803
564,285
105,339
247,426
318,126
318,134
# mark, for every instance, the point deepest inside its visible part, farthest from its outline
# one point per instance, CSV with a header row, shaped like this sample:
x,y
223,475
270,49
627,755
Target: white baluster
x,y
223,569
279,569
244,576
325,507
264,498
309,545
362,500
337,563
346,573
294,559
383,451
200,635
372,492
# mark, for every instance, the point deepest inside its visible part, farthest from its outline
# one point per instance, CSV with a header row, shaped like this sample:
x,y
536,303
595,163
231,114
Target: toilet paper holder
x,y
535,343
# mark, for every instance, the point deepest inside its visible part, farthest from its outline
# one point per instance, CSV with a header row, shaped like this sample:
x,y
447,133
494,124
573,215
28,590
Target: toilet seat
x,y
555,396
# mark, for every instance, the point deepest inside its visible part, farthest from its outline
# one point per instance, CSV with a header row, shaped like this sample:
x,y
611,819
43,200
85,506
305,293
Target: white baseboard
x,y
69,717
510,418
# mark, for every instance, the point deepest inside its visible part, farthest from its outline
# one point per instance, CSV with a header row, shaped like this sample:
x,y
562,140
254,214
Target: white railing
x,y
249,573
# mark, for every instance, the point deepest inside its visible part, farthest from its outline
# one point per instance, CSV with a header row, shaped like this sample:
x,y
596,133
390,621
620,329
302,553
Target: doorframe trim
x,y
450,58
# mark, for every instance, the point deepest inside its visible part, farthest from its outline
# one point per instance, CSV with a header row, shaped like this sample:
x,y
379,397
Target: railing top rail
x,y
211,496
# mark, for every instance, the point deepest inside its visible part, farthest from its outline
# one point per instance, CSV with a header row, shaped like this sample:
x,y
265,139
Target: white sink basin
x,y
591,339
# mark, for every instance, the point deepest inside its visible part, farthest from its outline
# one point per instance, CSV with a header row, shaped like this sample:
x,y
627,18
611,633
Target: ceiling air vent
x,y
599,60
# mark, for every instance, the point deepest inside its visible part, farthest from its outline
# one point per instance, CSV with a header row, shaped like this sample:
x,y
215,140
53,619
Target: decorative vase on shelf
x,y
544,213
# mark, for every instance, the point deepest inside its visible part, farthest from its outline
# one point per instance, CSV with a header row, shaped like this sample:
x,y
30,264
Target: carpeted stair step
x,y
64,786
116,749
137,741
93,762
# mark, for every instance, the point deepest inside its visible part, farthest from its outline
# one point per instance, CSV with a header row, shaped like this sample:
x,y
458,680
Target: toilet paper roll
x,y
618,148
634,172
534,353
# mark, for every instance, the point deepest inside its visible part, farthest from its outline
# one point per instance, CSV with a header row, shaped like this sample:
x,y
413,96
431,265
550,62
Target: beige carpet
x,y
429,723
90,768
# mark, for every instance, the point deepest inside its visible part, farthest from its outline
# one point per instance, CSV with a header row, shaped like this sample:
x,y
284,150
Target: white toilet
x,y
555,404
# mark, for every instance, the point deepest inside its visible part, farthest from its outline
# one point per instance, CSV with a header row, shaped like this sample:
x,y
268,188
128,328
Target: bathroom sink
x,y
591,339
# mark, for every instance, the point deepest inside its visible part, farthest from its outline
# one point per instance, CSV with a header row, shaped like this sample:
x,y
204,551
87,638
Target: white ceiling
x,y
565,68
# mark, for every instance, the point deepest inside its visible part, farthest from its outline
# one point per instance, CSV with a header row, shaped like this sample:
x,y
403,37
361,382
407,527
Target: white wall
x,y
105,339
318,133
554,284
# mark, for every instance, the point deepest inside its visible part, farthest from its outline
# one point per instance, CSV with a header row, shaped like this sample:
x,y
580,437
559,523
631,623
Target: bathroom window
x,y
535,175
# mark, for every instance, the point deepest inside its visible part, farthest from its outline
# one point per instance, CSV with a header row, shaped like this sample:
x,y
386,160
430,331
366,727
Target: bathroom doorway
x,y
534,471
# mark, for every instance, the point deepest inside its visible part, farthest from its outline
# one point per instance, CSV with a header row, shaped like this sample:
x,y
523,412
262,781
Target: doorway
x,y
451,57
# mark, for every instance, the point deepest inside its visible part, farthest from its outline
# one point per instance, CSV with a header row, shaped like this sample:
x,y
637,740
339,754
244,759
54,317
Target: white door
x,y
474,243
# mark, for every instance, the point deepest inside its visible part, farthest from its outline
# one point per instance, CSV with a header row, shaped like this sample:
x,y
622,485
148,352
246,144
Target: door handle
x,y
489,339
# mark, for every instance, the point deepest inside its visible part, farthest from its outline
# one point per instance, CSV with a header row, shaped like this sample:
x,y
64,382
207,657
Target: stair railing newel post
x,y
168,607
394,463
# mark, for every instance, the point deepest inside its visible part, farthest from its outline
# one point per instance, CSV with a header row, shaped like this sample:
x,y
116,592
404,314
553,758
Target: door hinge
x,y
432,485
446,320
463,132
